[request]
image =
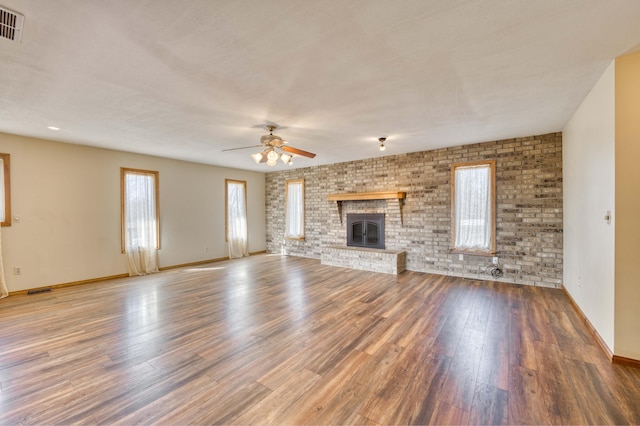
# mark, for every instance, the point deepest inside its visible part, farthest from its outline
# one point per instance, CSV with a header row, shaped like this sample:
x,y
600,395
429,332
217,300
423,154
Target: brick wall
x,y
529,208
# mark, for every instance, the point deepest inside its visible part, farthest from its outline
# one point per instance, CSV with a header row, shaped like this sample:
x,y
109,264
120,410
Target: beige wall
x,y
68,199
627,194
589,185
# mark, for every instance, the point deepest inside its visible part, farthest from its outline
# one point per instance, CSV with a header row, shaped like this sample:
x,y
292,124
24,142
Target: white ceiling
x,y
186,80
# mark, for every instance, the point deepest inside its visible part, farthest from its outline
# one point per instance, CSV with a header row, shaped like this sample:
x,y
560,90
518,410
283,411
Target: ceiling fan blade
x,y
297,151
242,147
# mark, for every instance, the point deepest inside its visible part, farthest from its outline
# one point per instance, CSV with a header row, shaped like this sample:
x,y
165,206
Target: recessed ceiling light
x,y
53,128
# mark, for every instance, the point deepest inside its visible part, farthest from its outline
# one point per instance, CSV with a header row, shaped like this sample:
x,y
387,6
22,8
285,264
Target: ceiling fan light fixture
x,y
285,158
257,157
382,145
274,148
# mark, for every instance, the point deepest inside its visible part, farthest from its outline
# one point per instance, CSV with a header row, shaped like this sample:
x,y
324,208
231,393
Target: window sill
x,y
473,252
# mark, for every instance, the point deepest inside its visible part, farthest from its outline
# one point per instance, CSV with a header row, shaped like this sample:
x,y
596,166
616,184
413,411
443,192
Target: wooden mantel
x,y
361,196
365,196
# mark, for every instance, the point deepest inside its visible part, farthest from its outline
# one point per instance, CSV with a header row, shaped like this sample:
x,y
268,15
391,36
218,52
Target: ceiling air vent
x,y
10,24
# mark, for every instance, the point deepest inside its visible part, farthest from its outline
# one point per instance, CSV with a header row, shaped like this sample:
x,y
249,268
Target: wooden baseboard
x,y
626,361
70,284
190,264
590,326
113,277
204,262
616,359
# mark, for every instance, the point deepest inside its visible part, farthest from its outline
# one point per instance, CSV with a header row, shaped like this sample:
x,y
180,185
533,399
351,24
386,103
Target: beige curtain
x,y
3,286
141,261
141,231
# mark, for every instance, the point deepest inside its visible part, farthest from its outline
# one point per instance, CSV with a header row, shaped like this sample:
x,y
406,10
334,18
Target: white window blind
x,y
237,233
5,190
294,220
473,207
2,201
141,238
140,211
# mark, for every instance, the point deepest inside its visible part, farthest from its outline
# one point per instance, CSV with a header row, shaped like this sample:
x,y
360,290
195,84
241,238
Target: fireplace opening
x,y
365,230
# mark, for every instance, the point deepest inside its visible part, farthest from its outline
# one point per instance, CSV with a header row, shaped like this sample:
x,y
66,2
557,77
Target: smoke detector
x,y
10,24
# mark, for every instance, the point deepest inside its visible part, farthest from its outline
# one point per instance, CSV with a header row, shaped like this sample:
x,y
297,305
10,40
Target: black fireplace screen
x,y
365,230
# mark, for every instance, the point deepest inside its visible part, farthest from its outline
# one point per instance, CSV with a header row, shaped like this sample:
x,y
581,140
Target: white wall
x,y
68,199
588,191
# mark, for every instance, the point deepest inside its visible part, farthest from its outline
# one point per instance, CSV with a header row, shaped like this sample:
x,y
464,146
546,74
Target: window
x,y
294,219
473,207
5,191
236,218
140,209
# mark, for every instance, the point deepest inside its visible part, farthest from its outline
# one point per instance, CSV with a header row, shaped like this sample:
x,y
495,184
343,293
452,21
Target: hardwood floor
x,y
285,340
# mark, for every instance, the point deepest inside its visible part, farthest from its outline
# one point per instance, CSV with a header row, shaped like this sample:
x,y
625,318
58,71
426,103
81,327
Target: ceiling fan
x,y
274,147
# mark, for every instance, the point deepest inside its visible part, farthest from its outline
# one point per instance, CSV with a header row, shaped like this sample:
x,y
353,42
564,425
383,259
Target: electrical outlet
x,y
461,257
17,270
495,260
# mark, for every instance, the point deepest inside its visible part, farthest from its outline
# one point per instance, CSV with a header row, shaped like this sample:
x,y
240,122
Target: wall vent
x,y
38,290
10,24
